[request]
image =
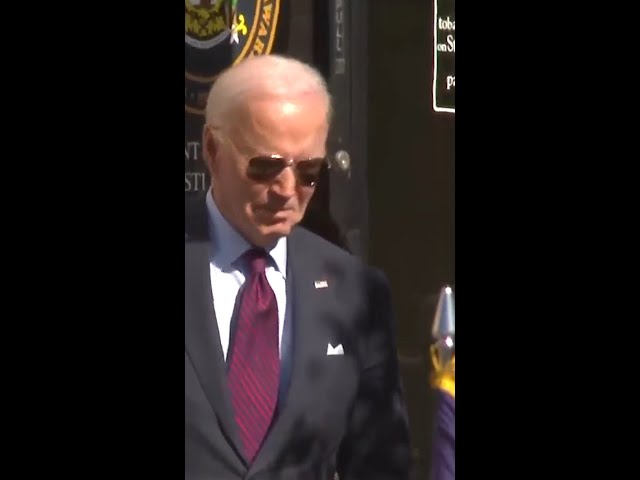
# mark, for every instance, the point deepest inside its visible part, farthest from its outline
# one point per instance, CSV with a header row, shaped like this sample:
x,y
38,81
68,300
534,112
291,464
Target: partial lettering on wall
x,y
217,34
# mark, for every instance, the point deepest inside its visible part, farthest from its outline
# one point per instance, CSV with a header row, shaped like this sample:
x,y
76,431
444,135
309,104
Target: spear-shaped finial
x,y
444,332
444,323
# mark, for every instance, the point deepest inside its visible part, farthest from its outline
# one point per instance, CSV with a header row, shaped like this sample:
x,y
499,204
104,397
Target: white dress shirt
x,y
226,280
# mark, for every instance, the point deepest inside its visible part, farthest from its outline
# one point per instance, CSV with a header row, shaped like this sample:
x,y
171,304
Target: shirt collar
x,y
228,244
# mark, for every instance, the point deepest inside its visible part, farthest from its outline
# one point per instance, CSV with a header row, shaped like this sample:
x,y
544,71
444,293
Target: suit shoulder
x,y
322,246
334,253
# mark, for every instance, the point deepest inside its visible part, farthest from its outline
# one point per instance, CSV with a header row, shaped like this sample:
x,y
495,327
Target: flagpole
x,y
443,381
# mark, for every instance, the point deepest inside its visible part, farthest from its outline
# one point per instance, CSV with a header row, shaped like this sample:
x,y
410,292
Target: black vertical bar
x,y
347,83
339,85
359,188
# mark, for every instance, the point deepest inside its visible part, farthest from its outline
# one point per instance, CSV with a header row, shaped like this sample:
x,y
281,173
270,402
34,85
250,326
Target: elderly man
x,y
290,361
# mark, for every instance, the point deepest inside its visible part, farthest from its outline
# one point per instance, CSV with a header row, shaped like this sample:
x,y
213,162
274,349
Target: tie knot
x,y
256,259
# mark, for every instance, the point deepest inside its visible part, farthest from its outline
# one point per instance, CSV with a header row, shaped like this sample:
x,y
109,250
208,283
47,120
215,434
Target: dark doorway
x,y
411,177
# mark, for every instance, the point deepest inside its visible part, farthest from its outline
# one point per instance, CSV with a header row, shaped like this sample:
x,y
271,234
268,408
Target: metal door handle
x,y
342,161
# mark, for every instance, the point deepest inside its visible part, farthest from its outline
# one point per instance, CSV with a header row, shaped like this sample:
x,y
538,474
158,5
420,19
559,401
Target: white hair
x,y
264,76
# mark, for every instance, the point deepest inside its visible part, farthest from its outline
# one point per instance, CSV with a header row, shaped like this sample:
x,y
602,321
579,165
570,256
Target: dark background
x,y
411,163
394,205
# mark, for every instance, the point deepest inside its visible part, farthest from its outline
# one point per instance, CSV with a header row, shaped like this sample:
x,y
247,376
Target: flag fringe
x,y
444,376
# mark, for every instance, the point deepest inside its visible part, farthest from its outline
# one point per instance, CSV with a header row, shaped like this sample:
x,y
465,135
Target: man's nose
x,y
285,183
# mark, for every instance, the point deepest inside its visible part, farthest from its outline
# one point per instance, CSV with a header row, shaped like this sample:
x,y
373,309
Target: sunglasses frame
x,y
290,162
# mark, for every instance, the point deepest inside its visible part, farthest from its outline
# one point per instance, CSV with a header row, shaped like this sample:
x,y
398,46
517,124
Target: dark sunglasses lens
x,y
309,171
262,169
265,169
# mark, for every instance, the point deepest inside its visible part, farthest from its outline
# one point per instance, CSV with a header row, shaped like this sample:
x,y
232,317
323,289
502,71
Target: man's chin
x,y
275,231
265,234
269,228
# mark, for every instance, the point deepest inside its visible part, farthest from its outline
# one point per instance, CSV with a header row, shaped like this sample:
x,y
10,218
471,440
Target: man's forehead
x,y
264,113
250,142
269,107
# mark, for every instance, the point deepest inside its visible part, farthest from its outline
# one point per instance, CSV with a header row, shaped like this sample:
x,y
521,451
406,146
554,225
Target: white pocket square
x,y
335,351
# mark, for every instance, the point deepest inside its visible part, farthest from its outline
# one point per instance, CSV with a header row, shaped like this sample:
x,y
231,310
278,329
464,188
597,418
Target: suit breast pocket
x,y
340,379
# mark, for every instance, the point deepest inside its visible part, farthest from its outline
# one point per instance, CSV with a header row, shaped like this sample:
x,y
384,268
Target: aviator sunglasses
x,y
265,168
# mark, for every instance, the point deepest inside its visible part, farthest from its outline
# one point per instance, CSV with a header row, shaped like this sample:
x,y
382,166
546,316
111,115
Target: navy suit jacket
x,y
341,414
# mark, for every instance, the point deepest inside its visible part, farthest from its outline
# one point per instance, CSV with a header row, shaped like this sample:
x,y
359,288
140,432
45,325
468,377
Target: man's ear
x,y
209,148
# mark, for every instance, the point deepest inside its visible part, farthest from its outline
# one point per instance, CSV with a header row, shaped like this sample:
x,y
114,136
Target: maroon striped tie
x,y
254,368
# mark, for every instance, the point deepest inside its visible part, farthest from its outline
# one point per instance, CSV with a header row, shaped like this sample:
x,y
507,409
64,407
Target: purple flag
x,y
443,358
443,456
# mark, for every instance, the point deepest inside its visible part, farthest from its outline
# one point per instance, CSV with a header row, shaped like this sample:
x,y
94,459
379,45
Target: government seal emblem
x,y
220,33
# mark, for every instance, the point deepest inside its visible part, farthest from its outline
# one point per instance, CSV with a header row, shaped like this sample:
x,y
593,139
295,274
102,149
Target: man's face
x,y
265,210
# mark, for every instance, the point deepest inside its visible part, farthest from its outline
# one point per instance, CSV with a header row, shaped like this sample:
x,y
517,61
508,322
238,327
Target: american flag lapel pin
x,y
320,284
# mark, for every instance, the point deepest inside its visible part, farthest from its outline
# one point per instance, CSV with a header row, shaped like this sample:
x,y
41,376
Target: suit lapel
x,y
306,346
202,339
